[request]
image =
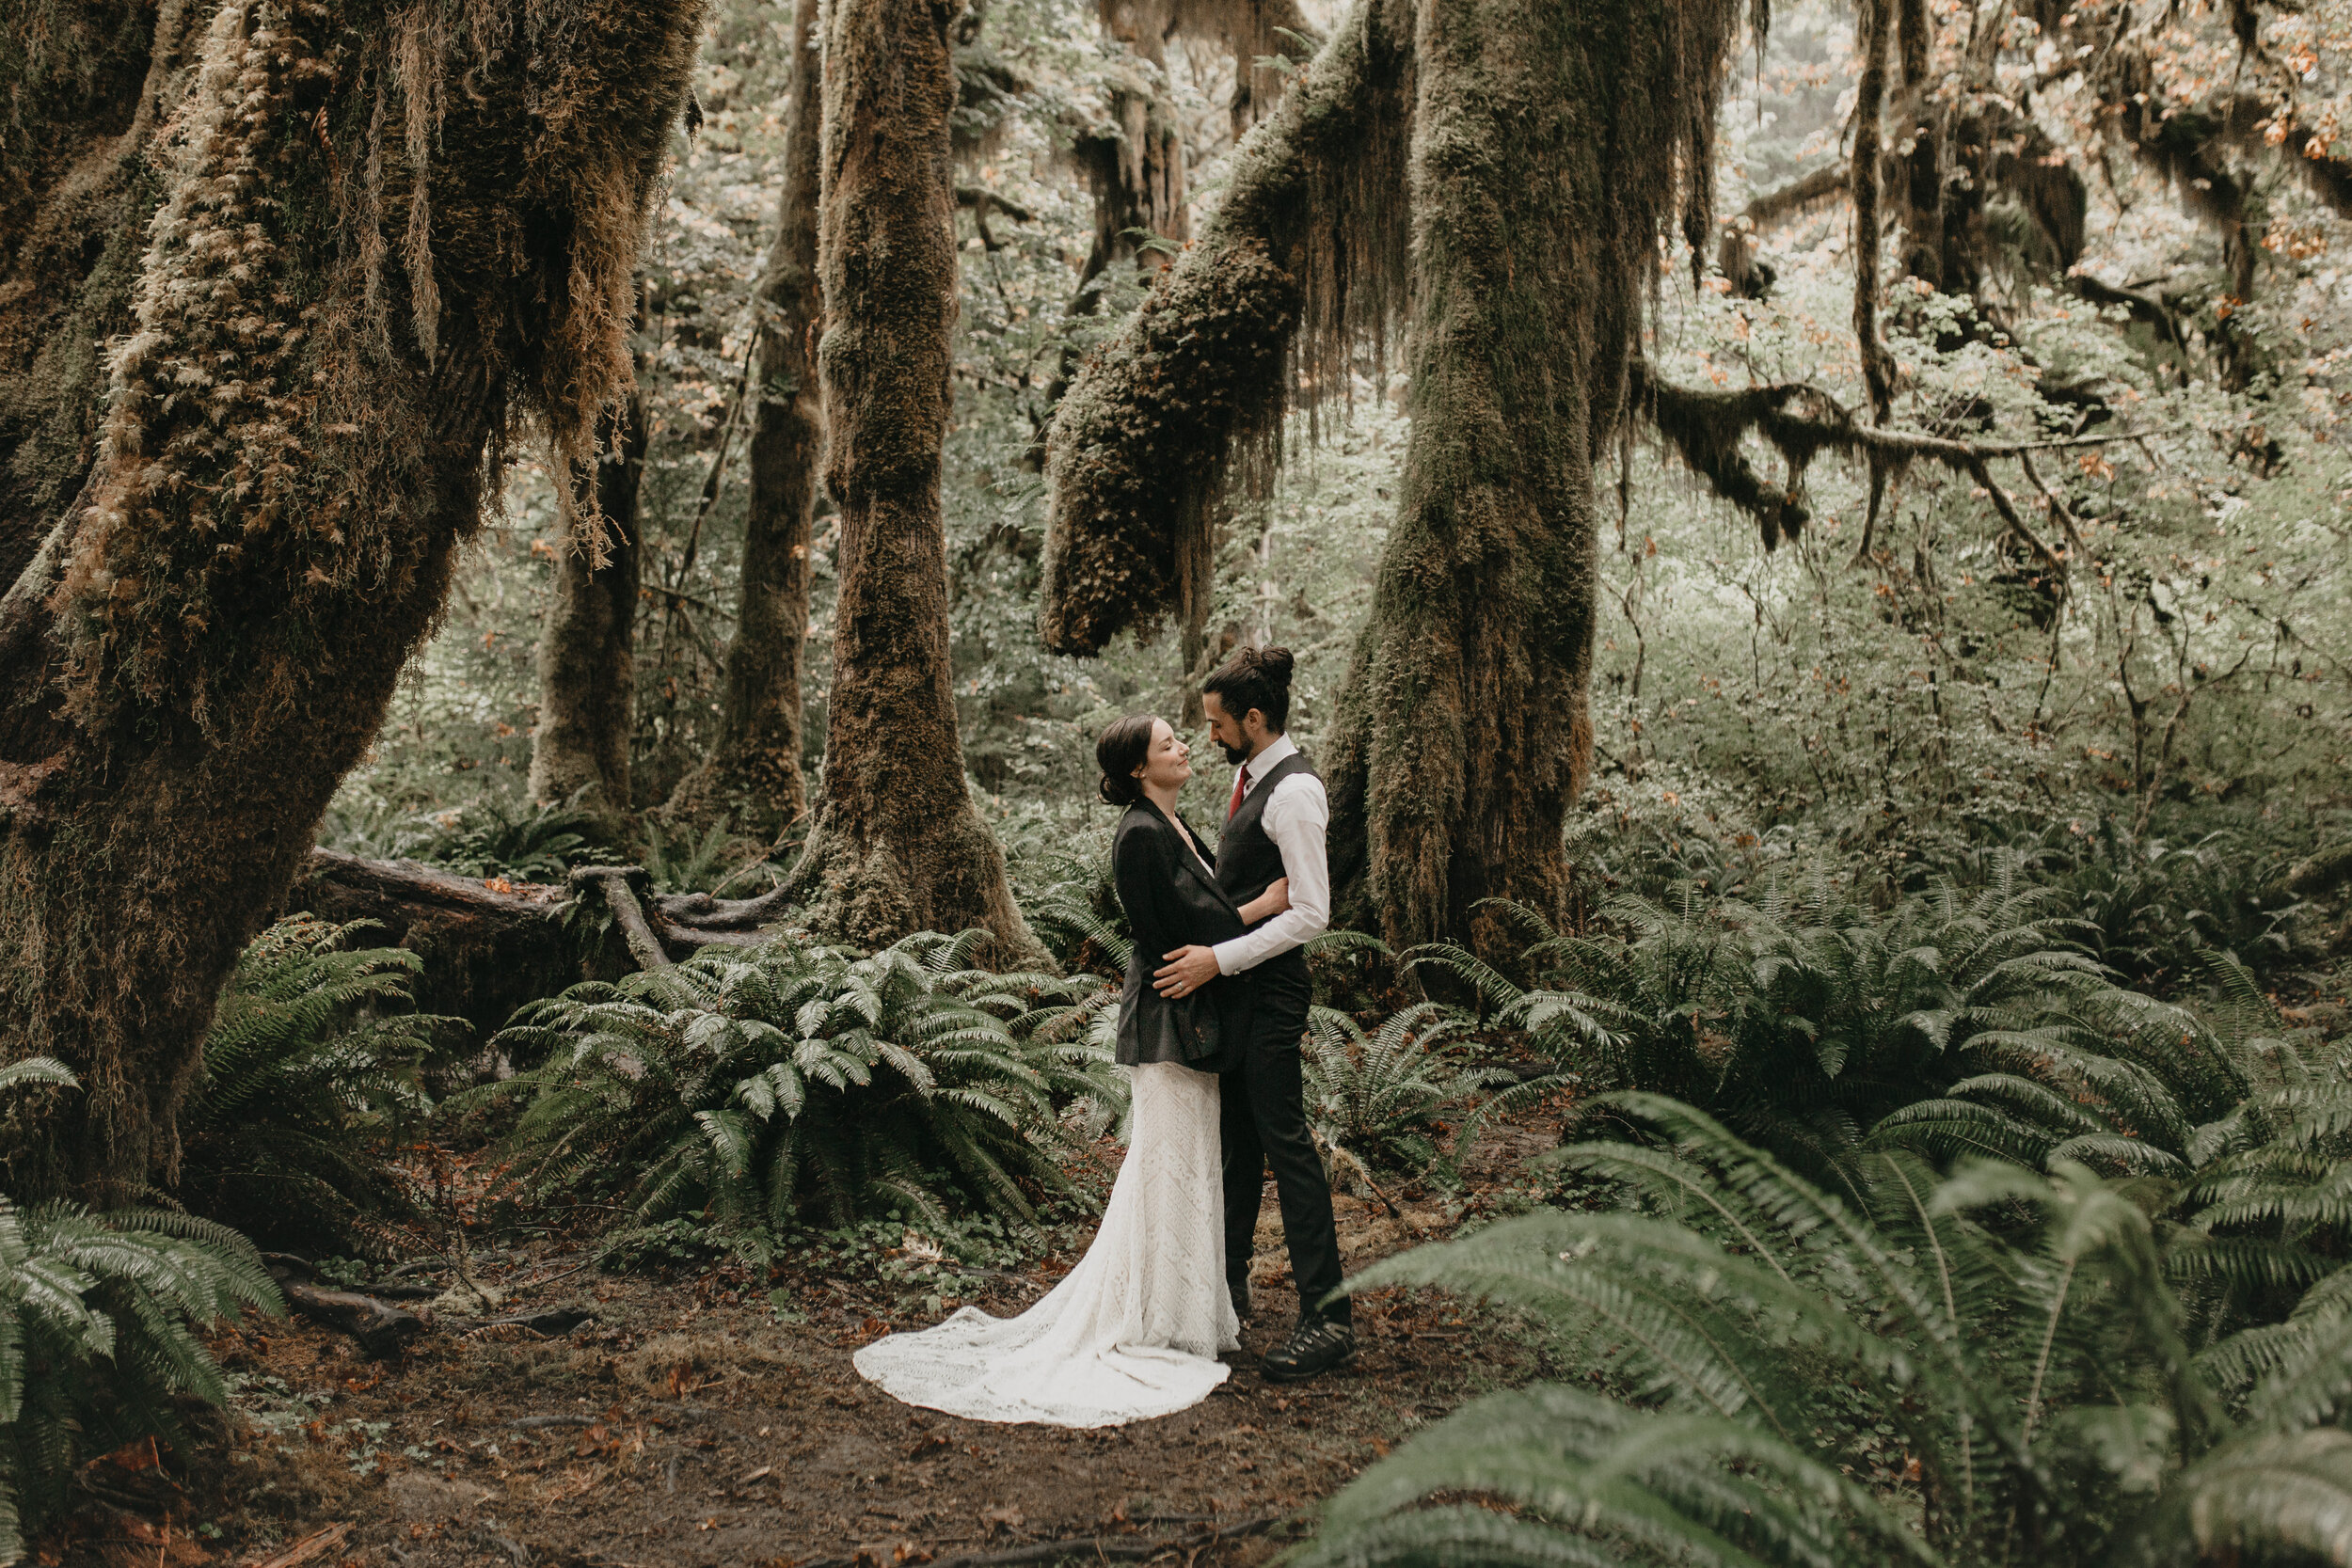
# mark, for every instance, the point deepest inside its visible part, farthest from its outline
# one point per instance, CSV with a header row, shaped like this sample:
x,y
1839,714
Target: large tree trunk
x,y
587,669
754,775
1547,145
357,264
896,843
1541,174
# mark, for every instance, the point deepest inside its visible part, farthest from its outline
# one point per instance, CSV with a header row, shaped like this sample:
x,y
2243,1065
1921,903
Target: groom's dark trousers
x,y
1264,1123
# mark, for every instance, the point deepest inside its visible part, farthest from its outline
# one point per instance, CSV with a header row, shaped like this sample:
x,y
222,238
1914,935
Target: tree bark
x,y
587,669
897,845
754,775
356,265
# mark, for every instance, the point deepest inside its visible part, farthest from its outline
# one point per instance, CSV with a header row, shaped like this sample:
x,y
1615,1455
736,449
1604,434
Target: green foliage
x,y
528,844
1375,1098
712,864
1803,1020
1983,1369
2155,911
747,1085
97,1342
491,835
309,1072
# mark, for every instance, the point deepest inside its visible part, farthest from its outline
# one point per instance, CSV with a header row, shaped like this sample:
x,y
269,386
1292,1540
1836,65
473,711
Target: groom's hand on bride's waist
x,y
1187,970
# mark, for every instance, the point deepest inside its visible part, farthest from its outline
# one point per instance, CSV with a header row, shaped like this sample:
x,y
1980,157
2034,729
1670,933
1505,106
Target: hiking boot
x,y
1315,1346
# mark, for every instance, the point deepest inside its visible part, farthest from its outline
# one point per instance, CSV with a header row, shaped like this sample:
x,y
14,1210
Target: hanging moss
x,y
1706,436
87,82
1302,267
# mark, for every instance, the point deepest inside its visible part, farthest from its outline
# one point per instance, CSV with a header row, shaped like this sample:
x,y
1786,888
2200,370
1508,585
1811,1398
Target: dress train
x,y
1133,1331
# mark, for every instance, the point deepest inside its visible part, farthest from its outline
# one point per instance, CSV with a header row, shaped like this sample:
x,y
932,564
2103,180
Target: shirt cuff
x,y
1228,957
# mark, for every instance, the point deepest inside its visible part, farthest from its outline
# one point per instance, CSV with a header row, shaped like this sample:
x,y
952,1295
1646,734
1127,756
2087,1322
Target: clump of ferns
x,y
98,1343
1985,1366
1802,1019
1071,902
2264,1208
1377,1099
749,1085
310,1072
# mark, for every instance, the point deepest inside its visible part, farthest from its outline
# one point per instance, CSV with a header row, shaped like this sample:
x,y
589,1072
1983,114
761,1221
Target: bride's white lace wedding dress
x,y
1134,1330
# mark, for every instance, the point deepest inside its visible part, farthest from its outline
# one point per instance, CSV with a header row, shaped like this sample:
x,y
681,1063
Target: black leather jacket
x,y
1173,901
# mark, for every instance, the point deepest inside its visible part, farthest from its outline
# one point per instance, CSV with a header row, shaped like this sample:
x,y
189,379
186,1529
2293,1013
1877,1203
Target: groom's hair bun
x,y
1255,677
1118,752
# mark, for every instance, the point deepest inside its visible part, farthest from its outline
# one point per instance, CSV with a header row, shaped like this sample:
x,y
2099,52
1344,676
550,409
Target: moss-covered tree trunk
x,y
1541,171
375,235
586,657
1549,141
896,843
754,775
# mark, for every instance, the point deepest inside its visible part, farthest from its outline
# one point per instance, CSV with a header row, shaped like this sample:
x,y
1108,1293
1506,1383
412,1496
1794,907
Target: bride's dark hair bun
x,y
1255,677
1118,752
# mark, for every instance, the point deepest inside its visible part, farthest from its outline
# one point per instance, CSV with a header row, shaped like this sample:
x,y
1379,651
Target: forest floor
x,y
693,1420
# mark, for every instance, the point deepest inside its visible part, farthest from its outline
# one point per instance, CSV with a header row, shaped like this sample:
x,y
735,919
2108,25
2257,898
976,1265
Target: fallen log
x,y
491,945
381,1329
488,946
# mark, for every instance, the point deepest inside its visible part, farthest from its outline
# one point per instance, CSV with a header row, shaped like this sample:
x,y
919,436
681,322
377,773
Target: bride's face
x,y
1168,762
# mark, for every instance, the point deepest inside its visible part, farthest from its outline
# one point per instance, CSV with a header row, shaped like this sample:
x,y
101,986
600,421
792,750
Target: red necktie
x,y
1241,787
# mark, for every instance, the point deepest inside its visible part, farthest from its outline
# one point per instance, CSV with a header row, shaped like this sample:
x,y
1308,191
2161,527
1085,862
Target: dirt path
x,y
687,1425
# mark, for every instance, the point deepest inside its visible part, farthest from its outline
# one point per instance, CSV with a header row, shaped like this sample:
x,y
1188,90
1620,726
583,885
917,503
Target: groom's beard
x,y
1234,755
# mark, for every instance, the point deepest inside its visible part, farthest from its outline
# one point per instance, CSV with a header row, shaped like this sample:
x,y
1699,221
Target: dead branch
x,y
618,885
1704,428
980,199
381,1329
1823,184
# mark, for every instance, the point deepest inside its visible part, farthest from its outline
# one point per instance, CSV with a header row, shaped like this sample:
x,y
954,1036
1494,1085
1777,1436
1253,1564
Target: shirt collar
x,y
1262,763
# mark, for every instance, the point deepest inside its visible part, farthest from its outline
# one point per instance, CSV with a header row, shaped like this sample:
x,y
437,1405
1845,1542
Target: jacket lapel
x,y
1190,863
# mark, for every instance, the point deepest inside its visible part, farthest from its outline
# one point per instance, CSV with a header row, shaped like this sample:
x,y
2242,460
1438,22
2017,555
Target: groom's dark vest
x,y
1248,862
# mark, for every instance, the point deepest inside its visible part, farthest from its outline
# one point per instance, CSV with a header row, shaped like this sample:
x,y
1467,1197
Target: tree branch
x,y
1706,427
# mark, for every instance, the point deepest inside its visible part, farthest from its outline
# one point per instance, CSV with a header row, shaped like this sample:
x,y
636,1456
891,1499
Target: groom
x,y
1273,829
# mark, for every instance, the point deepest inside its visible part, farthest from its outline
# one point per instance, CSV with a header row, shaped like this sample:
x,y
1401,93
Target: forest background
x,y
1961,748
1887,704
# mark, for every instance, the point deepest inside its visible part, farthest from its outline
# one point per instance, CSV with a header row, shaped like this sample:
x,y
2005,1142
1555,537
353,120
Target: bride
x,y
1134,1330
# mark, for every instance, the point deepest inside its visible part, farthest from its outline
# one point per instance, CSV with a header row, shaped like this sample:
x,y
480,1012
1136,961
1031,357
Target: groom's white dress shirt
x,y
1295,818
